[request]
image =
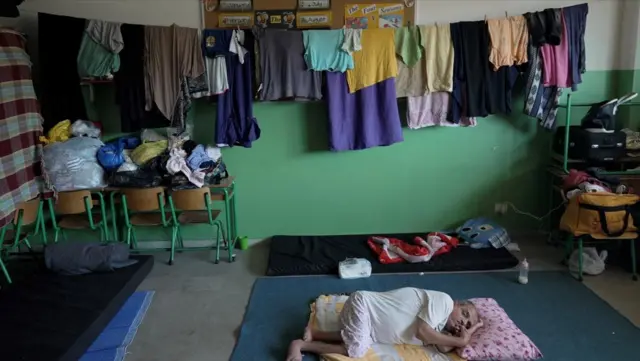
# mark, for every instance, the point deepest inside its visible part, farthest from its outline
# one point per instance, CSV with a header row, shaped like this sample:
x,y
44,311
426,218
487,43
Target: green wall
x,y
289,183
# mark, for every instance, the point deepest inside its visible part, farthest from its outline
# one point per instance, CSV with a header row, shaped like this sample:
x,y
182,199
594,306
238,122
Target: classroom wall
x,y
288,183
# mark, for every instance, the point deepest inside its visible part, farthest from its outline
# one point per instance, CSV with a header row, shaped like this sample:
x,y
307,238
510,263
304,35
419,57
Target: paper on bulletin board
x,y
314,19
282,19
233,20
373,16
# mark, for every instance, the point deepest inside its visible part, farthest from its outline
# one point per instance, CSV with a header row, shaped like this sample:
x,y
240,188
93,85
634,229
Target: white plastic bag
x,y
592,261
73,165
354,268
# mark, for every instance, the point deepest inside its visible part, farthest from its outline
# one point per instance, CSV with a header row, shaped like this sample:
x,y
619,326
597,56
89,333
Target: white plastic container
x,y
354,268
523,277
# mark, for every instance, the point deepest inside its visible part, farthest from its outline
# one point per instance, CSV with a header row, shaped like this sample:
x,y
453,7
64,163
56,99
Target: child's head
x,y
464,315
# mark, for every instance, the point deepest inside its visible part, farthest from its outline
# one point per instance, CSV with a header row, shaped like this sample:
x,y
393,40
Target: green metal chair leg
x,y
128,237
568,247
4,270
134,238
174,235
220,238
580,260
633,260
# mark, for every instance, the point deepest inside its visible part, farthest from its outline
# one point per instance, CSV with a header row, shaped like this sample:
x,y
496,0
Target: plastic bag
x,y
85,128
73,165
60,132
592,261
150,135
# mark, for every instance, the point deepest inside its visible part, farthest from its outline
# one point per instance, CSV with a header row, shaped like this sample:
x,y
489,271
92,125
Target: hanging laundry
x,y
235,123
575,21
365,119
545,27
411,78
284,72
509,40
408,44
323,50
410,81
216,44
172,53
129,84
555,60
540,102
60,95
484,91
375,62
94,60
439,55
431,110
107,34
352,40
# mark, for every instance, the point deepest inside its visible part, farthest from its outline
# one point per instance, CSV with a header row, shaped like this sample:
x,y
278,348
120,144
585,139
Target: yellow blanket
x,y
324,316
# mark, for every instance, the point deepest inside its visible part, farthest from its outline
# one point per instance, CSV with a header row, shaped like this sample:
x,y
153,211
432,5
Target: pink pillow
x,y
499,338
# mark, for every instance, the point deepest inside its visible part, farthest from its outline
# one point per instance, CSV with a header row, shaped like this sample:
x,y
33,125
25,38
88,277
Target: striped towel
x,y
324,316
20,127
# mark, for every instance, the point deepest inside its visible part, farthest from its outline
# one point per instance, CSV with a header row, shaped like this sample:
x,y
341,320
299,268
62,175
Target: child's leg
x,y
297,347
316,335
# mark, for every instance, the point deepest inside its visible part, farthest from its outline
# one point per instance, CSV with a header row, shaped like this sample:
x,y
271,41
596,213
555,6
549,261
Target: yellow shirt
x,y
375,62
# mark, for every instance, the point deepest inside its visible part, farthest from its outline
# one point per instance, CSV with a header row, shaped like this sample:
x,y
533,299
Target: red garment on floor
x,y
393,250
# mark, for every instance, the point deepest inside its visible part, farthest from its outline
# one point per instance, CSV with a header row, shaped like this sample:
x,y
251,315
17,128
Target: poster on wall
x,y
314,19
373,16
314,4
233,20
277,19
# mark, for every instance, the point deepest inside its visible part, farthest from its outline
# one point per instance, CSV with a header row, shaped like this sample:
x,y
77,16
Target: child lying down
x,y
404,316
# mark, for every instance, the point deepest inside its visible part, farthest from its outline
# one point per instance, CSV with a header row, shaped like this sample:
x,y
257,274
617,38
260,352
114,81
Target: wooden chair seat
x,y
78,221
626,235
220,196
194,217
148,219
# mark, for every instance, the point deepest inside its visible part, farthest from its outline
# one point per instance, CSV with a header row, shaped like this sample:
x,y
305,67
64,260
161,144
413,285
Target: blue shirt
x,y
323,51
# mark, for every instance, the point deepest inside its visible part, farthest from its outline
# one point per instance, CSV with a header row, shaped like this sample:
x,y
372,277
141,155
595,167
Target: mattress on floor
x,y
49,317
316,255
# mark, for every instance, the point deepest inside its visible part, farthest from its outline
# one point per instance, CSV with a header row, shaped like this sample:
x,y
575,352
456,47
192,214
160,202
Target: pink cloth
x,y
432,110
555,62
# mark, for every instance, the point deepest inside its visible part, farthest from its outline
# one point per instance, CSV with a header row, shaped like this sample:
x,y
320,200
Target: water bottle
x,y
523,278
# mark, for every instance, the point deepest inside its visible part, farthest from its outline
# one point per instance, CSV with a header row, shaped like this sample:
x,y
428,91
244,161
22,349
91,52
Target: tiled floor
x,y
198,306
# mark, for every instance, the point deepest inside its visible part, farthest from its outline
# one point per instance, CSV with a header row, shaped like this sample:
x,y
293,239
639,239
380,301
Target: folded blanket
x,y
324,316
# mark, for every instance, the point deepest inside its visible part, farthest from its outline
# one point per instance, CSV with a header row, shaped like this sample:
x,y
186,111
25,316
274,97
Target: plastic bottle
x,y
523,278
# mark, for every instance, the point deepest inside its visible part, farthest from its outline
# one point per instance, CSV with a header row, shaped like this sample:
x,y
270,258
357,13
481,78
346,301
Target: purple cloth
x,y
575,20
367,118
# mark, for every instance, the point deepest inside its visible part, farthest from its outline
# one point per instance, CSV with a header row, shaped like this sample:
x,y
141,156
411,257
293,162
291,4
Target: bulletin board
x,y
337,11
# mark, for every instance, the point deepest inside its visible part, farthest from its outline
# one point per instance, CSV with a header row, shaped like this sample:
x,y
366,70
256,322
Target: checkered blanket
x,y
20,126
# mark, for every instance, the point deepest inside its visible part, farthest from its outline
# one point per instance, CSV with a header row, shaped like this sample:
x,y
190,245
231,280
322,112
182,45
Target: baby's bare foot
x,y
307,336
295,353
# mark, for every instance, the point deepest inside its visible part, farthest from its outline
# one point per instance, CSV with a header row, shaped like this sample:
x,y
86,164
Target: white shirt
x,y
394,314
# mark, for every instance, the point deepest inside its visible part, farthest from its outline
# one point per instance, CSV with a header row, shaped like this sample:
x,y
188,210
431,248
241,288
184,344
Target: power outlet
x,y
501,208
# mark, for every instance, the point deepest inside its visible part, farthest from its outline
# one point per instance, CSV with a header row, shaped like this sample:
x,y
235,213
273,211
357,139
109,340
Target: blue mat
x,y
112,343
564,319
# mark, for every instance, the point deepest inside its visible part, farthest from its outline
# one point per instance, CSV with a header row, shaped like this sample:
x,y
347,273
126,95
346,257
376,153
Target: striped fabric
x,y
20,127
324,316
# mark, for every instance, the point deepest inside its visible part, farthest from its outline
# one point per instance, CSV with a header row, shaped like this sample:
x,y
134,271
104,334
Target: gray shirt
x,y
284,71
106,34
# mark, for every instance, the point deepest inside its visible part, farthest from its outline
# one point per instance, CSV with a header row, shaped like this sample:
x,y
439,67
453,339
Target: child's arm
x,y
429,336
445,342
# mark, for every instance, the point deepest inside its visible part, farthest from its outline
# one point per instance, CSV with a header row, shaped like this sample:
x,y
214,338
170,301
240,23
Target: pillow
x,y
499,338
325,312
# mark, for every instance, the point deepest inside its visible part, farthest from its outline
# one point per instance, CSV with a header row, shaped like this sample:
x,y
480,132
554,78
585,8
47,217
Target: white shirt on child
x,y
394,314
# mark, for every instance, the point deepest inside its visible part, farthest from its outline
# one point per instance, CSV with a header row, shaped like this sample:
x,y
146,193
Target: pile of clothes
x,y
590,180
154,160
